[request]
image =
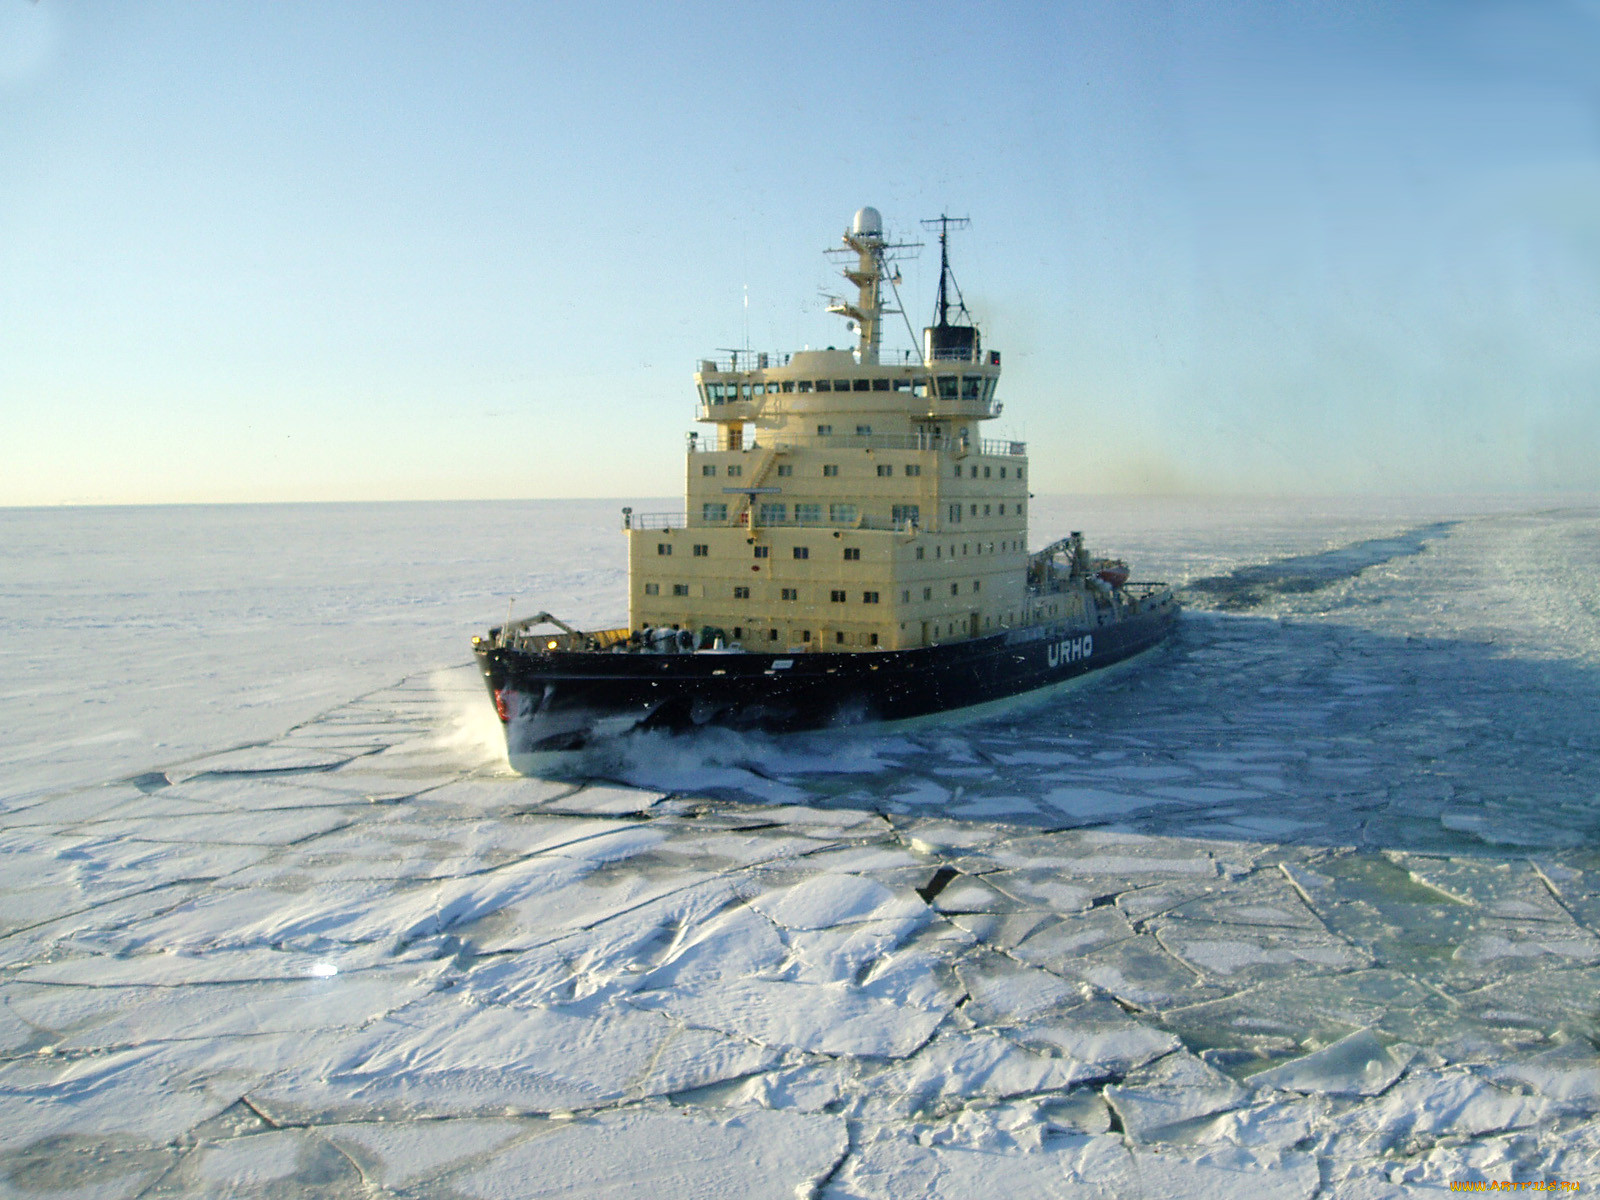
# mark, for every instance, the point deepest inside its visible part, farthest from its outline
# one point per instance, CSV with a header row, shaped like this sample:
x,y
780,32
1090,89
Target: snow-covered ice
x,y
1304,905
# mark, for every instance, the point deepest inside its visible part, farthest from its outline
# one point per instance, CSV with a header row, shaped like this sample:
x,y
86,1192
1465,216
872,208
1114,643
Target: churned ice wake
x,y
1304,906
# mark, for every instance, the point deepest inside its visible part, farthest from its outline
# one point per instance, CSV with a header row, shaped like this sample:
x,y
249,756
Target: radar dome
x,y
868,223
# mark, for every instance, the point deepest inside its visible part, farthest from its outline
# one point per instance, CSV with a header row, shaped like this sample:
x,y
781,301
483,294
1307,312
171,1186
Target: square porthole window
x,y
762,551
701,550
885,469
680,589
708,470
829,470
741,593
791,593
869,597
836,596
735,471
785,469
663,547
852,553
802,551
652,589
913,469
863,430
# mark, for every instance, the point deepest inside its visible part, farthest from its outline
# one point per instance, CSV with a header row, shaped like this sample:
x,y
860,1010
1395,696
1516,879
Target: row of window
x,y
972,472
851,553
1006,547
972,511
829,470
840,637
948,387
835,595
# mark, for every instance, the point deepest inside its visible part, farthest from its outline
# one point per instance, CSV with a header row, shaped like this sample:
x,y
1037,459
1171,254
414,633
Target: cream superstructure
x,y
843,502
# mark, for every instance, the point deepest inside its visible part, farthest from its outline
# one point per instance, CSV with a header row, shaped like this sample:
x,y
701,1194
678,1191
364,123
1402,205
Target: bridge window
x,y
947,387
971,387
861,385
808,513
902,514
880,385
903,385
824,386
801,385
713,512
841,385
842,514
774,514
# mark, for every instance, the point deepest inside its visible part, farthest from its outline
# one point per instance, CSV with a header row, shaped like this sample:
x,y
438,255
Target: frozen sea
x,y
1306,903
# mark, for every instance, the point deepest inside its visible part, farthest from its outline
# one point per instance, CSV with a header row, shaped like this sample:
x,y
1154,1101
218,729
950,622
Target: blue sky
x,y
367,251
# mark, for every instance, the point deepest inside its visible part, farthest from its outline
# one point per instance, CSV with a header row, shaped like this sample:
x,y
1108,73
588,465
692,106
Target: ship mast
x,y
865,239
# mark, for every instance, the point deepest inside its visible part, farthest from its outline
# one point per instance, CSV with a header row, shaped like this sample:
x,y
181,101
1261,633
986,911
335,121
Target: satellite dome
x,y
868,223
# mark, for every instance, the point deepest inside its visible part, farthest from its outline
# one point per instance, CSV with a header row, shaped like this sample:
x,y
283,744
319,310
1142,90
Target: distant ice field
x,y
1304,903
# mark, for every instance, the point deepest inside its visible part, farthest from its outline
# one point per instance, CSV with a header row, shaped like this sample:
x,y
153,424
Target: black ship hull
x,y
562,700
